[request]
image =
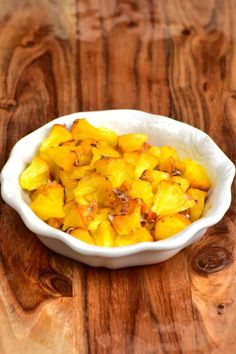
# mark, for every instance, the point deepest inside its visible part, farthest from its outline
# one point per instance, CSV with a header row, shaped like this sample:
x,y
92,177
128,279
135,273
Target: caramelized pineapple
x,y
104,235
69,184
93,188
82,235
78,216
170,225
124,224
140,235
36,174
131,142
48,202
103,151
116,170
81,129
62,157
182,182
154,177
142,190
59,134
143,163
170,199
196,175
199,196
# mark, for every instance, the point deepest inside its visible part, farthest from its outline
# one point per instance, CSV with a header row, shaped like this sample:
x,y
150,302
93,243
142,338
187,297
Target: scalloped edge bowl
x,y
188,141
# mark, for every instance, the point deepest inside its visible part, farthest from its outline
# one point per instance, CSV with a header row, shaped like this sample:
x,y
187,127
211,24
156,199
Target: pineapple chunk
x,y
104,235
55,222
143,163
167,158
124,224
69,184
82,235
196,175
62,157
170,225
99,217
59,134
199,196
116,170
79,216
93,188
182,182
142,190
131,142
103,151
170,199
155,177
154,151
48,201
36,174
80,171
140,235
81,129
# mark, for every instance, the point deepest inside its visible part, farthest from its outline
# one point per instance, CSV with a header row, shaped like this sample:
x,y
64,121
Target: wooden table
x,y
171,57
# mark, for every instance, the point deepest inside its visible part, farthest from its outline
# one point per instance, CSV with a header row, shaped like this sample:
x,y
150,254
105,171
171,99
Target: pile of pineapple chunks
x,y
111,190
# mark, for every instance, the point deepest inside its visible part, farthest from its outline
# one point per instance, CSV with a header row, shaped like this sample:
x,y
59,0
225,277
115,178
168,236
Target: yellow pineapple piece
x,y
81,129
78,216
199,196
36,174
154,151
167,159
99,217
116,170
170,199
59,134
104,235
93,188
142,190
145,162
80,171
131,142
48,201
82,235
196,174
103,151
155,177
182,182
62,157
140,235
124,224
69,184
55,222
170,225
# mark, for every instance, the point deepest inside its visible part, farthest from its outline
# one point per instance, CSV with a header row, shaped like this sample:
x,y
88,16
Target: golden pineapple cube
x,y
182,182
167,158
69,184
93,188
62,157
131,142
124,224
104,235
36,174
142,190
103,151
81,129
116,170
144,162
199,196
170,199
140,235
59,134
99,217
82,235
154,151
155,177
170,225
78,216
196,174
48,201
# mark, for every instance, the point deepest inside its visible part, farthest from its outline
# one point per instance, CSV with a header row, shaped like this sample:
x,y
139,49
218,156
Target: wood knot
x,y
63,286
211,259
186,31
8,103
56,284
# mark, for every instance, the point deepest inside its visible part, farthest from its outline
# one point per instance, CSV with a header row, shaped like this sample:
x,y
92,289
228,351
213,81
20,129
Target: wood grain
x,y
171,57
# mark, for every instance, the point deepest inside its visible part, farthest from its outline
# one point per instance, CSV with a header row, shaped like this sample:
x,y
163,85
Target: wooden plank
x,y
175,58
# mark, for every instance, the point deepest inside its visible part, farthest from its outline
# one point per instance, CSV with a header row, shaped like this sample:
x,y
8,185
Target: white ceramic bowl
x,y
187,140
